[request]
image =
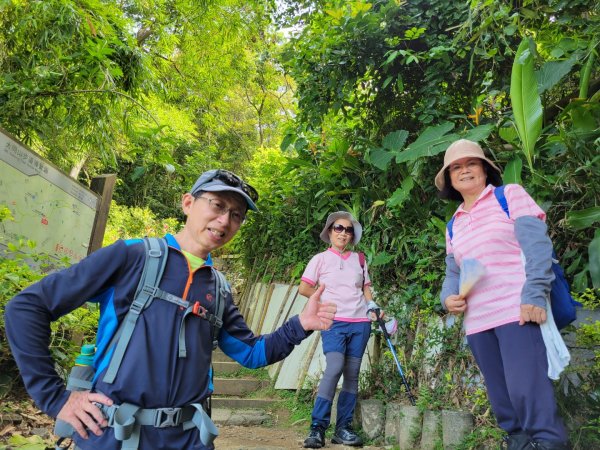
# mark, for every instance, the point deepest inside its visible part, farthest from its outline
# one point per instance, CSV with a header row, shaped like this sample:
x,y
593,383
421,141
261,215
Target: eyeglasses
x,y
338,228
218,207
233,180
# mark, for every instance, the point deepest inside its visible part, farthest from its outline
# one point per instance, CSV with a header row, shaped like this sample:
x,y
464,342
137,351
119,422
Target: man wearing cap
x,y
153,375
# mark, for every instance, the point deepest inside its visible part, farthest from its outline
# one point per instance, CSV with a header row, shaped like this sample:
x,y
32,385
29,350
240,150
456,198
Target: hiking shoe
x,y
346,436
551,445
518,441
316,437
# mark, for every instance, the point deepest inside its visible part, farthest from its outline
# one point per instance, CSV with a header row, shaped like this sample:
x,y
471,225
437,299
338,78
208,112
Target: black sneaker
x,y
316,437
346,436
518,441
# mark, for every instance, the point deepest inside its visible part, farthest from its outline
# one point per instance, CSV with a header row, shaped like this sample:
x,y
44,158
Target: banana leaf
x,y
525,100
594,254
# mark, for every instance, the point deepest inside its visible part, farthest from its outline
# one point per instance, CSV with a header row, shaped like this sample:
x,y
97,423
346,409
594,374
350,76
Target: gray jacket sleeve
x,y
450,285
531,233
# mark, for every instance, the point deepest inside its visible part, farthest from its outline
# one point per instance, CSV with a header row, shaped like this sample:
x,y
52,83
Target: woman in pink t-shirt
x,y
347,284
504,309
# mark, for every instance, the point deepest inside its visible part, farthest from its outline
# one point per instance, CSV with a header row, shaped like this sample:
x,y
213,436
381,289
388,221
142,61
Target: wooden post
x,y
103,185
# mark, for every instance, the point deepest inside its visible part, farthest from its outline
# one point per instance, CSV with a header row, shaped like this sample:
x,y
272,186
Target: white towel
x,y
556,350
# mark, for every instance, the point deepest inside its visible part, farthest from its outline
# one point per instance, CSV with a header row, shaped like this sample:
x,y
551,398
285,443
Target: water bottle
x,y
82,373
80,379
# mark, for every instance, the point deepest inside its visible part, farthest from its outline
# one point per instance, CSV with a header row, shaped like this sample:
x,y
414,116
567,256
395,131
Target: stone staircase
x,y
236,399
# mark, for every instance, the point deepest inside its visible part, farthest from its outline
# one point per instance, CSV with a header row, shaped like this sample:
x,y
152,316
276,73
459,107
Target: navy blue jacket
x,y
152,375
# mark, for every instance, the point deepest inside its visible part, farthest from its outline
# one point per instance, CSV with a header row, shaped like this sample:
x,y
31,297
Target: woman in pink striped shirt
x,y
505,307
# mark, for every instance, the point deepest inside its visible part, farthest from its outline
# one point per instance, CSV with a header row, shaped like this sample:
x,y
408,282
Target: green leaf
x,y
386,82
402,193
391,57
380,158
594,255
26,443
432,141
479,133
439,224
583,218
337,14
525,100
552,72
381,259
287,141
395,140
512,172
508,134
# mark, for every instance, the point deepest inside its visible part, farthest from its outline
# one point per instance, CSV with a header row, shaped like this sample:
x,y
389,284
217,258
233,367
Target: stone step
x,y
238,386
225,367
218,402
243,417
219,356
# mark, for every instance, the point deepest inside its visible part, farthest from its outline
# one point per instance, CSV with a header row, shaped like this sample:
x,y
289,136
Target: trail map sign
x,y
49,207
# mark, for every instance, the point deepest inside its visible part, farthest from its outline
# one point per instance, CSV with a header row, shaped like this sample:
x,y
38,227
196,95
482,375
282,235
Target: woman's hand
x,y
532,313
80,412
455,304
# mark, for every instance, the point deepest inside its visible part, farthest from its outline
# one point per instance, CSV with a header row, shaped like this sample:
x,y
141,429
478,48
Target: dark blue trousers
x,y
512,359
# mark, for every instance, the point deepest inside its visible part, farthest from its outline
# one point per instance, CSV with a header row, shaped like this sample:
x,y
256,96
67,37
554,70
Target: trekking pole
x,y
391,346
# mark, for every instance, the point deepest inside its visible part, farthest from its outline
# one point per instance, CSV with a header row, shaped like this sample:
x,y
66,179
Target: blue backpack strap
x,y
449,227
154,266
499,193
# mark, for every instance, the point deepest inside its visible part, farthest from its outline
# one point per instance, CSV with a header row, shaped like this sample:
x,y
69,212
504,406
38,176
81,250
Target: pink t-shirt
x,y
485,233
343,280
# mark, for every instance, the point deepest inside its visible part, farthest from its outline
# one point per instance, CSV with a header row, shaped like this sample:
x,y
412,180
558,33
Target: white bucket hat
x,y
463,148
341,215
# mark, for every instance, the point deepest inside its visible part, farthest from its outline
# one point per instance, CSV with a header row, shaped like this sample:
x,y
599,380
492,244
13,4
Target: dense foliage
x,y
158,91
383,87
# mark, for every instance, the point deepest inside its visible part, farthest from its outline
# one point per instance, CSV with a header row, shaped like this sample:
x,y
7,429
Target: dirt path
x,y
279,434
268,438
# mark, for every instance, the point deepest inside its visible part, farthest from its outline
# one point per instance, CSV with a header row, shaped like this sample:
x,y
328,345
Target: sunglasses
x,y
231,179
338,228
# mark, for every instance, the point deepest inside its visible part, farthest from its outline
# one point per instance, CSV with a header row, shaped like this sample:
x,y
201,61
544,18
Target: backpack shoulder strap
x,y
222,289
449,227
154,265
499,193
361,259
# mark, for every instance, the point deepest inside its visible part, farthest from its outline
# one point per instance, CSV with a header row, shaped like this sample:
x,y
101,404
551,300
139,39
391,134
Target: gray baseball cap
x,y
341,215
219,180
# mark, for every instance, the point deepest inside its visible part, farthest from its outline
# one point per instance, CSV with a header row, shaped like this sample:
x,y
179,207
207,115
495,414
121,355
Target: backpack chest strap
x,y
195,309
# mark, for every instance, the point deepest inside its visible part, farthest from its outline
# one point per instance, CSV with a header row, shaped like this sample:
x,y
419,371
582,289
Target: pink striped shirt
x,y
485,233
343,279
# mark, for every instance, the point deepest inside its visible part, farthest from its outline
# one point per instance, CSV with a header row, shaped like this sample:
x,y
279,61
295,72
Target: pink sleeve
x,y
311,273
521,204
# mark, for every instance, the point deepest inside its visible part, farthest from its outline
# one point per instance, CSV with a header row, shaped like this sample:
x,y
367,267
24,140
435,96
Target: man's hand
x,y
532,313
456,304
81,413
317,315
